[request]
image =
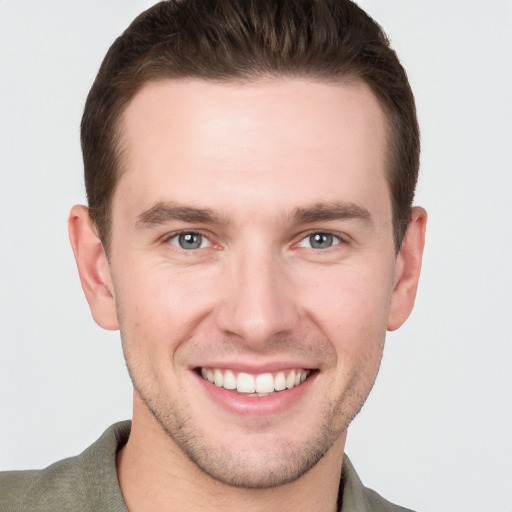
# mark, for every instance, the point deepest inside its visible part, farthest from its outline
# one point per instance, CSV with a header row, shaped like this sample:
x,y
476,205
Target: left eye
x,y
189,241
320,241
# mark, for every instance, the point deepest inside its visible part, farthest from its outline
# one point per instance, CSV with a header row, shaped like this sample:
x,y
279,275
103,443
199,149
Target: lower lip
x,y
256,406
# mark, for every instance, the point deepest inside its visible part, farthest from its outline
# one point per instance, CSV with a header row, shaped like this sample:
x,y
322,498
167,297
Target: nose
x,y
257,300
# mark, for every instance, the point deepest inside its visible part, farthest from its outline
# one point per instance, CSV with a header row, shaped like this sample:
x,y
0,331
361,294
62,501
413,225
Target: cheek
x,y
159,303
351,307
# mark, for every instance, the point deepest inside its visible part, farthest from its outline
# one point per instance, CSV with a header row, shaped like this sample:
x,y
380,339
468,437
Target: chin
x,y
256,468
250,460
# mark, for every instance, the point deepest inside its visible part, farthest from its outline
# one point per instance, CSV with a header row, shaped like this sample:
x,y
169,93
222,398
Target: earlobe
x,y
407,270
93,268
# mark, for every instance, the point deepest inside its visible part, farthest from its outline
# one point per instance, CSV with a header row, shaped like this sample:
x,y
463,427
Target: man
x,y
250,168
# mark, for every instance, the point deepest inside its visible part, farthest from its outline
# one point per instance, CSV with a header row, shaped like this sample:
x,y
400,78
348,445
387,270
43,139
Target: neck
x,y
154,474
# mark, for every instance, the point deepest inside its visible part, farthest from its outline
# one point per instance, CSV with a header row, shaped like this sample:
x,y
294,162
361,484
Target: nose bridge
x,y
257,303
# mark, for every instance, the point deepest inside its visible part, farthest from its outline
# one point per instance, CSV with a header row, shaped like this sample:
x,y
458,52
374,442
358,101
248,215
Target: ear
x,y
93,268
407,270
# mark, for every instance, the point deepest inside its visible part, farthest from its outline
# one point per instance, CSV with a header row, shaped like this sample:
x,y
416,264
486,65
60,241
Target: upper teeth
x,y
261,383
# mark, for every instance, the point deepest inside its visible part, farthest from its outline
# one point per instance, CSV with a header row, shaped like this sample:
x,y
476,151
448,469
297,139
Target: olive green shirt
x,y
88,482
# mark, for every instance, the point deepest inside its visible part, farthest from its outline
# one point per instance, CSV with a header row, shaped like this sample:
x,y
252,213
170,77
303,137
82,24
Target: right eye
x,y
189,240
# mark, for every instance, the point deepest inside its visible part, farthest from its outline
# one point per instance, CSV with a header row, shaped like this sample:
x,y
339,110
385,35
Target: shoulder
x,y
358,498
376,503
85,482
52,488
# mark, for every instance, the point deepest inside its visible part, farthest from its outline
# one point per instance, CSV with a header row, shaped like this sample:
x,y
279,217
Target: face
x,y
253,268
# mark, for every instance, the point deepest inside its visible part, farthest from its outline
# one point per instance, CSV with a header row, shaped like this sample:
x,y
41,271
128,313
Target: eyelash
x,y
336,238
176,235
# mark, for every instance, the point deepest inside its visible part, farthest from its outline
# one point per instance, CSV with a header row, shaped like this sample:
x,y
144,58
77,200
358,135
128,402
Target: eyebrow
x,y
166,212
331,211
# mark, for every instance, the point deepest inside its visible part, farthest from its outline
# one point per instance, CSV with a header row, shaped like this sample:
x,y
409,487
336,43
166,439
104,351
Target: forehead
x,y
189,138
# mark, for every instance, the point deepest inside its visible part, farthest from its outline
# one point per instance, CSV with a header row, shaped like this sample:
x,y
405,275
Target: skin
x,y
271,162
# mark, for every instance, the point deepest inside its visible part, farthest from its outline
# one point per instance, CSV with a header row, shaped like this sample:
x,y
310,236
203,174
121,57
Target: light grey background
x,y
436,432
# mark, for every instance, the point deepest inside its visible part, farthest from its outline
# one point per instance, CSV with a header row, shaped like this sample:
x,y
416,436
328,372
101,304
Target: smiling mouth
x,y
260,385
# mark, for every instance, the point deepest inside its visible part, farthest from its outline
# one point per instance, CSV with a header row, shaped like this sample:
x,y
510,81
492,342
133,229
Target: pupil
x,y
321,240
190,240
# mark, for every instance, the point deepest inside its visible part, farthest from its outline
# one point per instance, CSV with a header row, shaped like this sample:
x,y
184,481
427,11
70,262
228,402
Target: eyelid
x,y
341,237
166,239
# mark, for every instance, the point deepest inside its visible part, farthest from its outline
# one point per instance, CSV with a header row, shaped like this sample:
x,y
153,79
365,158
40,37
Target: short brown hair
x,y
226,40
